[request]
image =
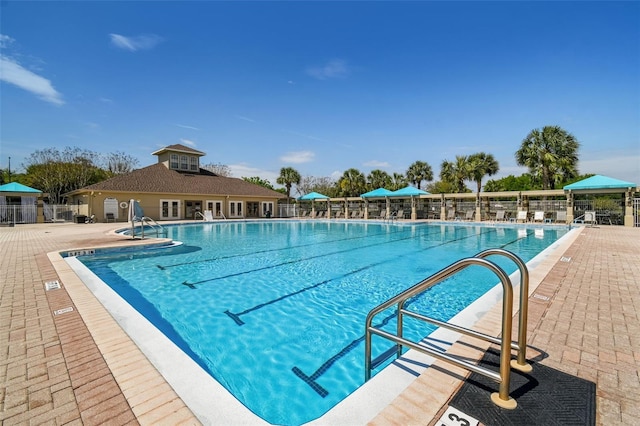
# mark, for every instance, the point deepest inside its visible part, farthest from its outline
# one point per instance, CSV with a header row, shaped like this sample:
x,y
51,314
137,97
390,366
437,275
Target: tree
x,y
352,183
550,154
523,182
398,181
440,187
419,171
288,176
257,180
219,169
378,179
118,163
456,172
58,172
481,165
323,185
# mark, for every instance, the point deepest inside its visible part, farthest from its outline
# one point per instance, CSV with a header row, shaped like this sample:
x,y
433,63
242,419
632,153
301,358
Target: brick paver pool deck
x,y
68,368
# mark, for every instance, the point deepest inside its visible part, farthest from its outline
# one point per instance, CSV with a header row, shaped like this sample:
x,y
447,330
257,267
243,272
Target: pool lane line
x,y
231,256
192,285
236,316
311,380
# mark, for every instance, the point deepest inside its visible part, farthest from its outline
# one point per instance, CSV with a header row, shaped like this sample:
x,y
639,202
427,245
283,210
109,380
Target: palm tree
x,y
551,154
378,179
456,172
288,176
482,164
352,183
419,171
398,181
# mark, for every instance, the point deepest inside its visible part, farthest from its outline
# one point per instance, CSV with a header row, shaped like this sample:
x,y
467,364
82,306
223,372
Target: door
x,y
192,209
169,209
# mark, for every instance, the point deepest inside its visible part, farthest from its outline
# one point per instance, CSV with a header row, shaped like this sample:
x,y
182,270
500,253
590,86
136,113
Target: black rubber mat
x,y
545,397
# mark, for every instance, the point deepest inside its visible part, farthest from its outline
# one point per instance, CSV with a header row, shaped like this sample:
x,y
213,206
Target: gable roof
x,y
178,148
599,182
18,187
158,178
313,196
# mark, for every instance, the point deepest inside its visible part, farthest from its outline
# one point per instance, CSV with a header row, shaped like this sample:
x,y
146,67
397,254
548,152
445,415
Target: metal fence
x,y
18,214
636,212
608,211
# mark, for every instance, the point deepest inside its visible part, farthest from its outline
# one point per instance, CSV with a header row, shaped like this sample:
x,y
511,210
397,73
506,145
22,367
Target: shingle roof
x,y
158,178
178,148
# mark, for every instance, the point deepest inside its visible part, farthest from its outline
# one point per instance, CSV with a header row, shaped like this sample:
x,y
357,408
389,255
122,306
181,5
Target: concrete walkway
x,y
54,368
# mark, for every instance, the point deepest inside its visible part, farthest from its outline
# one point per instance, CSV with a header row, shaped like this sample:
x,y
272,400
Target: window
x,y
174,161
194,164
184,165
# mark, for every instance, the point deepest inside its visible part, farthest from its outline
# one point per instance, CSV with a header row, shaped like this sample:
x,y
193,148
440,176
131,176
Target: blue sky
x,y
322,86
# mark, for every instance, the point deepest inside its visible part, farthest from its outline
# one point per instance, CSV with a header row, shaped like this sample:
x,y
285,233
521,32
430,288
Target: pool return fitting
x,y
501,398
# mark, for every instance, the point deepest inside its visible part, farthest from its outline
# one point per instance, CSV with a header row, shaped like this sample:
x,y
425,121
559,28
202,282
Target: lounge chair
x,y
354,214
400,214
538,216
561,216
109,217
522,216
500,215
451,214
383,215
469,215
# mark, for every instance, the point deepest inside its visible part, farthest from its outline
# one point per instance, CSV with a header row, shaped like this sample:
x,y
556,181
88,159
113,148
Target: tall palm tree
x,y
352,183
482,165
398,181
551,154
419,171
456,172
378,179
288,176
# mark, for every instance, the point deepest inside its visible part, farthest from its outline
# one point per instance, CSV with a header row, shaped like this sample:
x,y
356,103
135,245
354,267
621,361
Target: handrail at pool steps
x,y
147,221
501,398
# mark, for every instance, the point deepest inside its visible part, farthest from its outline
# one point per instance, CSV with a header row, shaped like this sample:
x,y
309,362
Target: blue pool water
x,y
275,311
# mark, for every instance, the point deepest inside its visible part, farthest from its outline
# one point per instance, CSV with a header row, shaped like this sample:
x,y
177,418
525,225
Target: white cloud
x,y
298,157
241,117
336,68
5,41
135,43
187,142
13,73
377,164
244,170
187,127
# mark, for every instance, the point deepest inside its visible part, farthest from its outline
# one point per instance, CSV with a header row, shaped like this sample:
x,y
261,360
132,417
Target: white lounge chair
x,y
522,216
561,216
500,215
538,216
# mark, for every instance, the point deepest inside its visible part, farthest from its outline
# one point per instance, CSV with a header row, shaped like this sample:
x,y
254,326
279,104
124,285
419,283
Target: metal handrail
x,y
520,363
148,221
502,398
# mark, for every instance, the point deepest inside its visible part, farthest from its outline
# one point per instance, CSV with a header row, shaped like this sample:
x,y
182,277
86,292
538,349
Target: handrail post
x,y
520,363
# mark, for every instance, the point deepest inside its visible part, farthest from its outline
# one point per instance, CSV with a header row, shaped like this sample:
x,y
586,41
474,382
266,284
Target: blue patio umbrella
x,y
409,191
599,182
377,193
313,196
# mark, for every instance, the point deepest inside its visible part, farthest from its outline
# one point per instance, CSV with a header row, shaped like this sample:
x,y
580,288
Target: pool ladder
x,y
147,221
501,398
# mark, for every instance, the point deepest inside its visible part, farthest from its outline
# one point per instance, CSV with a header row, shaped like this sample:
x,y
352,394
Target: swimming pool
x,y
275,310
